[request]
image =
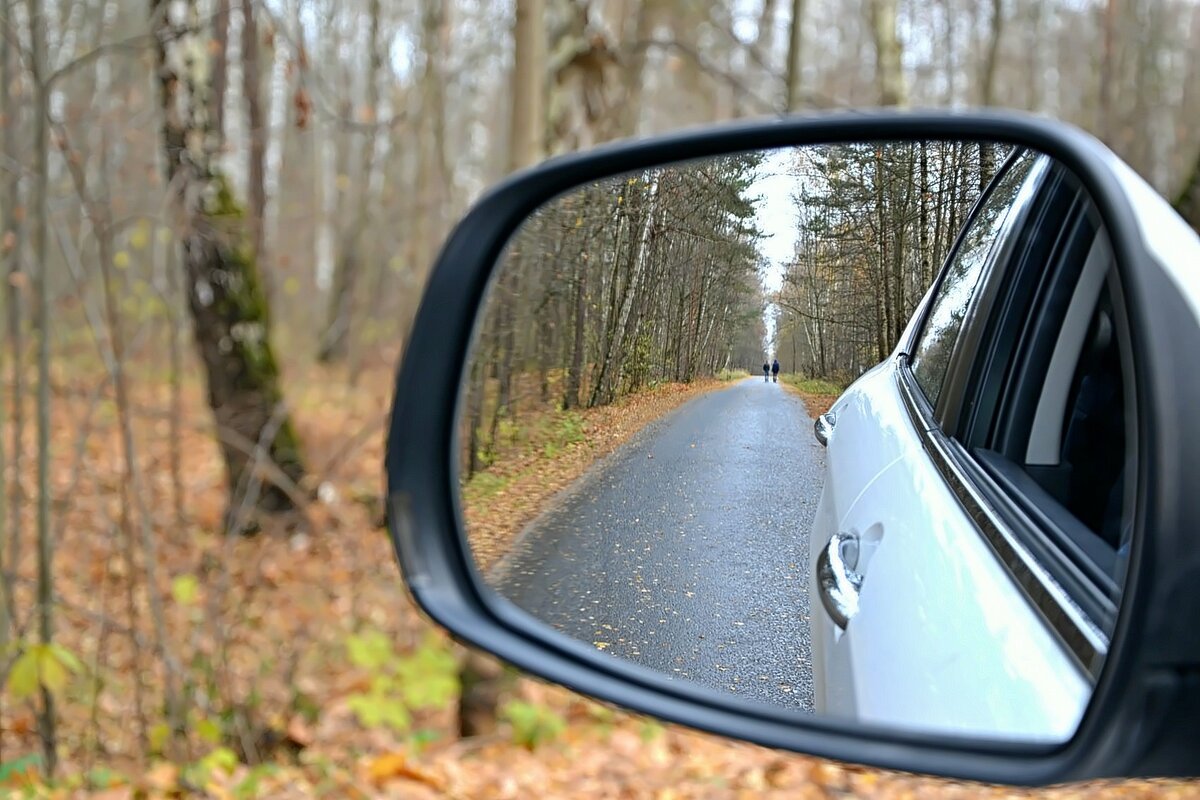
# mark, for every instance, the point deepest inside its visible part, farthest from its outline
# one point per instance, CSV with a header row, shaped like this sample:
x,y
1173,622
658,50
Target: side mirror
x,y
983,565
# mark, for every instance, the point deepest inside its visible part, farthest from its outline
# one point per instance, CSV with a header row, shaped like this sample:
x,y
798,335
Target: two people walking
x,y
771,371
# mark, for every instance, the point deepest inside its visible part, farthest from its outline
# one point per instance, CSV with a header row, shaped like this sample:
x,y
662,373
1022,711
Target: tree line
x,y
875,222
629,282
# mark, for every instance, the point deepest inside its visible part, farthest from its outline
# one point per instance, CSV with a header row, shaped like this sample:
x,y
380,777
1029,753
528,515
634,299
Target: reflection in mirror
x,y
639,468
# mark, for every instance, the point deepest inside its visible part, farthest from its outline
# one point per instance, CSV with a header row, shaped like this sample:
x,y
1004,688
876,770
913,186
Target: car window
x,y
1057,435
962,276
1077,379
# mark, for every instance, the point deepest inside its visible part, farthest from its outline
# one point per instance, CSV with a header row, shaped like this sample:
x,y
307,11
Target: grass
x,y
815,386
726,375
484,484
818,394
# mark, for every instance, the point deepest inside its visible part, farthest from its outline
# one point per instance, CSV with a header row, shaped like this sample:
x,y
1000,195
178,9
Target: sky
x,y
775,215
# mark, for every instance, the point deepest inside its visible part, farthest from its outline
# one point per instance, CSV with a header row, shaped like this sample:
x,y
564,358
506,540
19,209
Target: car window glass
x,y
1058,359
931,356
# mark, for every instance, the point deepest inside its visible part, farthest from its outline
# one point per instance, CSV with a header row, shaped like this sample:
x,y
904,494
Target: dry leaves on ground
x,y
257,631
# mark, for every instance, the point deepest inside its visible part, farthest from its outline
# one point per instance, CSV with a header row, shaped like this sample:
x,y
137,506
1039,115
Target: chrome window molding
x,y
1081,637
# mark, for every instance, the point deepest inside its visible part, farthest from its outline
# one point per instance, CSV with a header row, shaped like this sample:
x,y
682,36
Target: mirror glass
x,y
842,429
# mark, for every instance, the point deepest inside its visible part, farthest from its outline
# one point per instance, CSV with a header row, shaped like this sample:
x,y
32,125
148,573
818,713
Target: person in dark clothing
x,y
766,372
775,371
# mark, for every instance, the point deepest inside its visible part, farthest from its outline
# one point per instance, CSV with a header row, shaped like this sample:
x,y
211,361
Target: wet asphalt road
x,y
687,549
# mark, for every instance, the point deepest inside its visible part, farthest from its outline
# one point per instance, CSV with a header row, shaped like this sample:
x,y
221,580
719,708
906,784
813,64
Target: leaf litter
x,y
258,631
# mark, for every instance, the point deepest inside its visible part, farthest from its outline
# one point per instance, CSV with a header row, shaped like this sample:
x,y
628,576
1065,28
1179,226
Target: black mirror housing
x,y
1144,717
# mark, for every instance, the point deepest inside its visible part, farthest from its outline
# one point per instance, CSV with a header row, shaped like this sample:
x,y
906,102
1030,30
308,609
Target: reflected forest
x,y
815,256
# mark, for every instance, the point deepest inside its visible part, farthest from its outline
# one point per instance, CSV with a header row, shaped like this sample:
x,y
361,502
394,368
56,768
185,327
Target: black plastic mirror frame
x,y
1138,719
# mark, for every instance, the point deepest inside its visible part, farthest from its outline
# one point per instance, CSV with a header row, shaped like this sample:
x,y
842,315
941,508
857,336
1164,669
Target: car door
x,y
944,630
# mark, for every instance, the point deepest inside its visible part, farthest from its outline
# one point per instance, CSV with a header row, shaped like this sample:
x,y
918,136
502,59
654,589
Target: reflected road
x,y
687,550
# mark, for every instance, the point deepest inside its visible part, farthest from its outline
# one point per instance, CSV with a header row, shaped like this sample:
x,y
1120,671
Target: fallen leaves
x,y
259,627
396,766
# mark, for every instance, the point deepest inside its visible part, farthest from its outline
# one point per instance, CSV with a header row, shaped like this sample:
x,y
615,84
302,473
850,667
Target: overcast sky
x,y
775,216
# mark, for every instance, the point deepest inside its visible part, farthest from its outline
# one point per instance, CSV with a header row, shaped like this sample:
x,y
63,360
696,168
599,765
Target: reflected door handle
x,y
837,582
823,427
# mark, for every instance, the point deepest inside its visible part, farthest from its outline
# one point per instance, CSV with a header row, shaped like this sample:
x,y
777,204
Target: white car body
x,y
942,638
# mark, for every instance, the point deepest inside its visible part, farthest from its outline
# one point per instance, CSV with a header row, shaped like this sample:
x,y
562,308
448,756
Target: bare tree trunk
x,y
220,69
431,168
231,321
764,39
481,676
7,251
889,69
1104,125
579,317
40,209
526,132
335,340
988,78
795,62
10,256
252,91
634,78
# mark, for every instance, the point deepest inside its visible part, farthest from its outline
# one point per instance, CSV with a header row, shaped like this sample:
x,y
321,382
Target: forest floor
x,y
294,664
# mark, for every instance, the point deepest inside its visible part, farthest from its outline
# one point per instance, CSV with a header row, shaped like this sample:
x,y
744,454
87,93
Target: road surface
x,y
687,549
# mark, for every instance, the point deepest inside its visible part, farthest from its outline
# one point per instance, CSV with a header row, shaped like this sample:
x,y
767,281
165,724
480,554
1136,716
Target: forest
x,y
216,219
876,222
660,277
639,280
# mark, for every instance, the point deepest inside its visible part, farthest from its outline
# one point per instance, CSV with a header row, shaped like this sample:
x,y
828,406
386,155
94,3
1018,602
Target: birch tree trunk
x,y
988,78
231,321
335,340
795,65
889,72
10,250
256,121
46,721
526,131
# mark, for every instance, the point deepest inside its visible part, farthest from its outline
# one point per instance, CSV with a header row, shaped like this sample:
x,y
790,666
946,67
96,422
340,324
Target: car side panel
x,y
944,640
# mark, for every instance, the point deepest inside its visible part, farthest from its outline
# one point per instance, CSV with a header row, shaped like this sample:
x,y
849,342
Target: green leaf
x,y
185,589
382,685
66,658
46,666
248,787
209,731
158,734
532,725
366,709
395,715
23,677
370,649
423,738
429,676
430,691
221,758
103,778
25,767
51,672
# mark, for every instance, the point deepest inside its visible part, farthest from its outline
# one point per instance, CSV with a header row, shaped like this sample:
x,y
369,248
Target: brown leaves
x,y
303,105
272,616
395,766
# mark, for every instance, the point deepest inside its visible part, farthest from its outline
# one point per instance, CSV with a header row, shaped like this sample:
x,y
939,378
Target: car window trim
x,y
956,386
1080,636
999,425
918,330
